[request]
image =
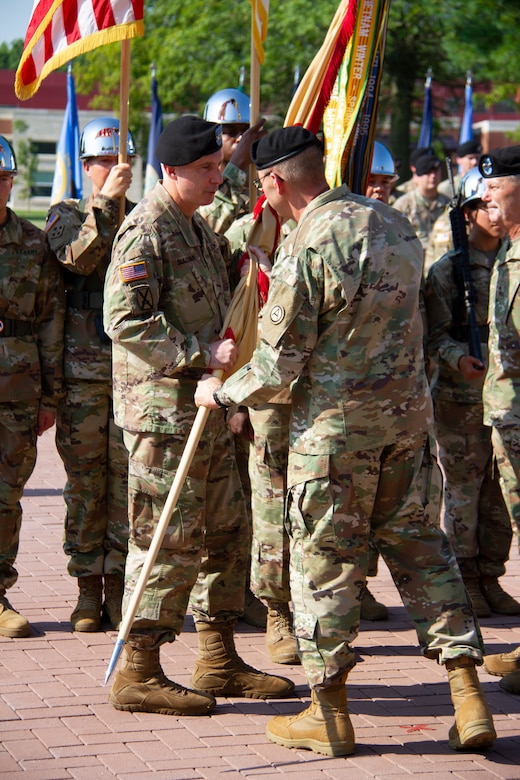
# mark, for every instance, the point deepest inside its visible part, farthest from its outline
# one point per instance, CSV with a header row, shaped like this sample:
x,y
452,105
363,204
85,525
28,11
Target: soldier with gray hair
x,y
342,327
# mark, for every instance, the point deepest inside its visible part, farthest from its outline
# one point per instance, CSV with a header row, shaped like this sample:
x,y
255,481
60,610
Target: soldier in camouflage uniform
x,y
501,170
342,327
467,156
88,441
474,515
31,378
166,294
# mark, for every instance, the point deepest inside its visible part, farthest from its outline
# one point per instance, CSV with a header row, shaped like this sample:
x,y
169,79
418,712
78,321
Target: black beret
x,y
469,147
501,162
282,144
419,151
426,163
186,139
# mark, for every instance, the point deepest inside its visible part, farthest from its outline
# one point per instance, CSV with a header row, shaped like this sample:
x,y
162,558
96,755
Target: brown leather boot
x,y
372,609
502,663
323,727
279,636
142,686
114,589
500,602
12,624
478,601
473,727
220,671
87,613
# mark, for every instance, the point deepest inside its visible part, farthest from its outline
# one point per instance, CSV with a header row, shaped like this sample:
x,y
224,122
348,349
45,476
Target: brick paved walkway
x,y
55,721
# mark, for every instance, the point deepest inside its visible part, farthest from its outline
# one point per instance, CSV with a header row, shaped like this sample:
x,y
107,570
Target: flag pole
x,y
254,93
124,102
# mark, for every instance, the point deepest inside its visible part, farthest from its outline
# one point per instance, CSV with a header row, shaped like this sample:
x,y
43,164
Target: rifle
x,y
461,254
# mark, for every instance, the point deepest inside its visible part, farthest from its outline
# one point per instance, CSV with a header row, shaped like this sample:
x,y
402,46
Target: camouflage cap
x,y
501,162
186,139
282,144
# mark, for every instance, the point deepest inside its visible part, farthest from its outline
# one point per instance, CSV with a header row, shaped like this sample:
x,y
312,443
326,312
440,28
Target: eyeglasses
x,y
258,182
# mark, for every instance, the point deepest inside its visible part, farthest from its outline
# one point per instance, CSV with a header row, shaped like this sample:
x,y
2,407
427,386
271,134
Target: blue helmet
x,y
7,157
382,161
228,106
100,138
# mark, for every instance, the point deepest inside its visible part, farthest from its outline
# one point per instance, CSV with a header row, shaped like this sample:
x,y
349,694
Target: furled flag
x,y
426,133
68,179
260,14
62,29
466,129
153,167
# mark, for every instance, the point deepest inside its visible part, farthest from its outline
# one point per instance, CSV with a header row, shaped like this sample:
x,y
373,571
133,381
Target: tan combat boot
x,y
323,727
255,611
142,686
511,682
279,636
372,609
502,663
220,671
114,589
12,624
473,727
478,601
500,602
87,613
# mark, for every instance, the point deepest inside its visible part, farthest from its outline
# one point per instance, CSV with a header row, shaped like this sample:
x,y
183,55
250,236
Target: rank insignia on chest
x,y
131,272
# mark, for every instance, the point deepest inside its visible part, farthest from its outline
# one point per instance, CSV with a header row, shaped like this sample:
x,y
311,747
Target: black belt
x,y
460,333
84,299
9,327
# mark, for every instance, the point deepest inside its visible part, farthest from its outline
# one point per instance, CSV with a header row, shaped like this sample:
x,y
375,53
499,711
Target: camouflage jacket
x,y
81,234
440,241
166,295
231,200
31,291
502,383
447,326
342,323
422,212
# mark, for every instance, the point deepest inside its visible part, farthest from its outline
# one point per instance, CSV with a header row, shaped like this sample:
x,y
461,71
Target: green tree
x,y
27,162
10,54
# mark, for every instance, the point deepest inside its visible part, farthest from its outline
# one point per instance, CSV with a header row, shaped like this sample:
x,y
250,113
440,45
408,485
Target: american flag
x,y
260,14
59,30
132,271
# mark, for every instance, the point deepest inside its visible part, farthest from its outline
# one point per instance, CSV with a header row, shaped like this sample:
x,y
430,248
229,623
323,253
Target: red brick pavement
x,y
55,721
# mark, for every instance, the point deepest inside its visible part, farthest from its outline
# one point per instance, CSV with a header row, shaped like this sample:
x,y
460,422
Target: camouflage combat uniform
x,y
474,517
31,378
166,294
231,200
422,213
342,324
502,384
88,441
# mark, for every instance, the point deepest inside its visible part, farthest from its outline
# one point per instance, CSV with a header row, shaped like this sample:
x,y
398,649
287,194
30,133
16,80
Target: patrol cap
x,y
186,139
282,144
469,147
426,163
501,162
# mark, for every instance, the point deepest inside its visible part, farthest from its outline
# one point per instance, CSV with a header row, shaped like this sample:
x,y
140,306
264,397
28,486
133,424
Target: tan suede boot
x,y
323,727
473,727
12,624
114,589
220,671
372,609
142,686
87,613
502,663
478,601
500,602
279,636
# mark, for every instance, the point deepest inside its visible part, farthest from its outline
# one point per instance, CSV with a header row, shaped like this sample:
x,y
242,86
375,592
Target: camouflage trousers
x,y
506,444
17,460
334,503
268,473
473,515
96,492
204,554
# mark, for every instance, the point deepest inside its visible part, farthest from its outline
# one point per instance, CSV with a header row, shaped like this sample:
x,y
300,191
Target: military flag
x,y
68,175
466,128
260,15
153,167
60,30
426,132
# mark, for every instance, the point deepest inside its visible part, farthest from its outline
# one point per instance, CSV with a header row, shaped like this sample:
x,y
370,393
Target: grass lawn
x,y
36,217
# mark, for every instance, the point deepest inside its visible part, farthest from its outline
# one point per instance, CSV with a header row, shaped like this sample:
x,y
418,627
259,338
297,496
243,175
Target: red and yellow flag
x,y
59,30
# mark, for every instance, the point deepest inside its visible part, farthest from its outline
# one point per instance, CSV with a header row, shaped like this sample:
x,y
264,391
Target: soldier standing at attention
x,y
89,443
166,295
31,379
342,326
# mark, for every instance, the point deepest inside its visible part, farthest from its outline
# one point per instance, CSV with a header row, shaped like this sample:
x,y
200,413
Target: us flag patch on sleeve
x,y
131,272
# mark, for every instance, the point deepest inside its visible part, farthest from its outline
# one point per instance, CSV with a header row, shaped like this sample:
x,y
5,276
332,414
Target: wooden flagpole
x,y
124,104
254,94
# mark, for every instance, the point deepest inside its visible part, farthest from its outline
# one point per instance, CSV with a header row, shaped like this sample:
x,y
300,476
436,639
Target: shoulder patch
x,y
131,272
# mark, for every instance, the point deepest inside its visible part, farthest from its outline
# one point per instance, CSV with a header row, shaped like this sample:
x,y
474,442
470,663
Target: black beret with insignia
x,y
501,162
282,144
469,147
426,163
186,139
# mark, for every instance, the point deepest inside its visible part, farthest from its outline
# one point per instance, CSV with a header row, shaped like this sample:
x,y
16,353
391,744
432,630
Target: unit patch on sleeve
x,y
131,272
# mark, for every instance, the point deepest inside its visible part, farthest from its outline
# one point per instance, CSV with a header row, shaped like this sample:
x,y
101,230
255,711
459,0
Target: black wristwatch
x,y
218,401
